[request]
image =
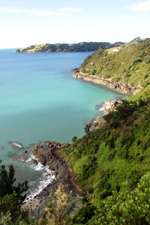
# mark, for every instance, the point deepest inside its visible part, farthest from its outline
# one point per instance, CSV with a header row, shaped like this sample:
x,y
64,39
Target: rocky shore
x,y
107,106
123,88
50,153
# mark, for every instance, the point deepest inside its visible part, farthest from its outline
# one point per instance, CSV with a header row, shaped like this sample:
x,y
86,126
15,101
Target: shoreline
x,y
123,88
48,153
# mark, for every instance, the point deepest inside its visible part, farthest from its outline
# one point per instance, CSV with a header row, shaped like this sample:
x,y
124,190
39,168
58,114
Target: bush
x,y
7,181
85,213
147,59
93,71
106,75
59,208
83,70
87,128
137,60
127,207
145,83
74,139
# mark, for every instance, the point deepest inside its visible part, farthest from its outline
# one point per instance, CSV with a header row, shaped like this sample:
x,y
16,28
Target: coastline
x,y
50,152
123,88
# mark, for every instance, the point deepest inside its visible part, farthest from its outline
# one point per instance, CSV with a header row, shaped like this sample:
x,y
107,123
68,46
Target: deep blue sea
x,y
40,100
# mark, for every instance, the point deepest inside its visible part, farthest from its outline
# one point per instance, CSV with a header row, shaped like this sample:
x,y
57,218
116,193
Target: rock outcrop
x,y
49,153
107,106
123,88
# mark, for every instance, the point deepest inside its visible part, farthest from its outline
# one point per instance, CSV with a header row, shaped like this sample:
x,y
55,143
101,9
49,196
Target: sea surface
x,y
40,100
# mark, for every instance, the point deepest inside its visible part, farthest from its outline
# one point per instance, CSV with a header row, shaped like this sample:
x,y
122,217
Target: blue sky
x,y
28,22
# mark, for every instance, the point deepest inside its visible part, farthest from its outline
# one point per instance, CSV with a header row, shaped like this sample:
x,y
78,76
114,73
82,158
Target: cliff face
x,y
50,153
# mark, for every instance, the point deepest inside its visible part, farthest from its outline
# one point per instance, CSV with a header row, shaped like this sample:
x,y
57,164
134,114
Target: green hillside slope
x,y
80,47
129,64
105,158
112,163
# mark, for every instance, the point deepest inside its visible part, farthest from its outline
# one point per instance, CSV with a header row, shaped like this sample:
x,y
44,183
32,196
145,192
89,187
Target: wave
x,y
47,177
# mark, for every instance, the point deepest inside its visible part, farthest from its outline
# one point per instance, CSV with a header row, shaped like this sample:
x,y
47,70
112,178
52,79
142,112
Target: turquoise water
x,y
40,100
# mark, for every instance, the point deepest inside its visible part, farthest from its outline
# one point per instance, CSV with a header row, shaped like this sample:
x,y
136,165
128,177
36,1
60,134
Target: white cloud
x,y
18,10
38,12
141,6
70,10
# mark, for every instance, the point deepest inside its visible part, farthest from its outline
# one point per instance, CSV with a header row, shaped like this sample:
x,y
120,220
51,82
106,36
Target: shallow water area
x,y
40,100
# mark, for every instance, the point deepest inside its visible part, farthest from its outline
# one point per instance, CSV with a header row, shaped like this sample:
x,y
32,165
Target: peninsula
x,y
79,47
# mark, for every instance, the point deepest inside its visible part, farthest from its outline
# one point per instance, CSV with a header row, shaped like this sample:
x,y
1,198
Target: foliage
x,y
116,152
7,184
10,195
80,47
87,127
11,212
127,207
129,65
58,210
74,139
84,214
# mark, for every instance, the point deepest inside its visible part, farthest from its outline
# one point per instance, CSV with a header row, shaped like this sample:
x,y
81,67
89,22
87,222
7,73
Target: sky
x,y
28,22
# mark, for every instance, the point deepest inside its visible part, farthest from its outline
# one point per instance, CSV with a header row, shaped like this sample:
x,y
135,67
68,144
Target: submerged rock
x,y
15,144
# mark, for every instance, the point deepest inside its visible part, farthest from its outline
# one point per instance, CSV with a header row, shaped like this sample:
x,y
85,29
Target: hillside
x,y
111,164
118,152
127,64
80,47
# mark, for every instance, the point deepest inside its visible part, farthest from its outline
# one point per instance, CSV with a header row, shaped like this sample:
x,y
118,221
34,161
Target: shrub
x,y
137,60
58,209
93,71
147,59
83,70
122,70
7,181
85,213
115,79
127,74
74,139
87,128
145,83
127,207
106,75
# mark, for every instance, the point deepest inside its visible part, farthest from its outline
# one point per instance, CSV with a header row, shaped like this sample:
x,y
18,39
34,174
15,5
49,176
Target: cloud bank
x,y
140,7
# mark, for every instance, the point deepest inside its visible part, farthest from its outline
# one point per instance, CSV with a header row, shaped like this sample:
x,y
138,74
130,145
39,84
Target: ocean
x,y
40,100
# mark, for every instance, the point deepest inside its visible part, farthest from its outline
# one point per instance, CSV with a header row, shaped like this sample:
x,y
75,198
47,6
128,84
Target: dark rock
x,y
34,161
24,152
50,154
124,88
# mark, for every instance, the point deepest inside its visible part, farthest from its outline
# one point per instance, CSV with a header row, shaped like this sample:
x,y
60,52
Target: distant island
x,y
80,47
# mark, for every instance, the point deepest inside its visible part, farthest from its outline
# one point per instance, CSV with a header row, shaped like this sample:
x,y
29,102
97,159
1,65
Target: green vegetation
x,y
11,196
80,47
127,64
111,164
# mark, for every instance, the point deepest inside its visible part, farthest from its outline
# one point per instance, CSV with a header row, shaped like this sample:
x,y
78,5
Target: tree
x,y
87,128
11,196
7,184
59,208
127,207
74,139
